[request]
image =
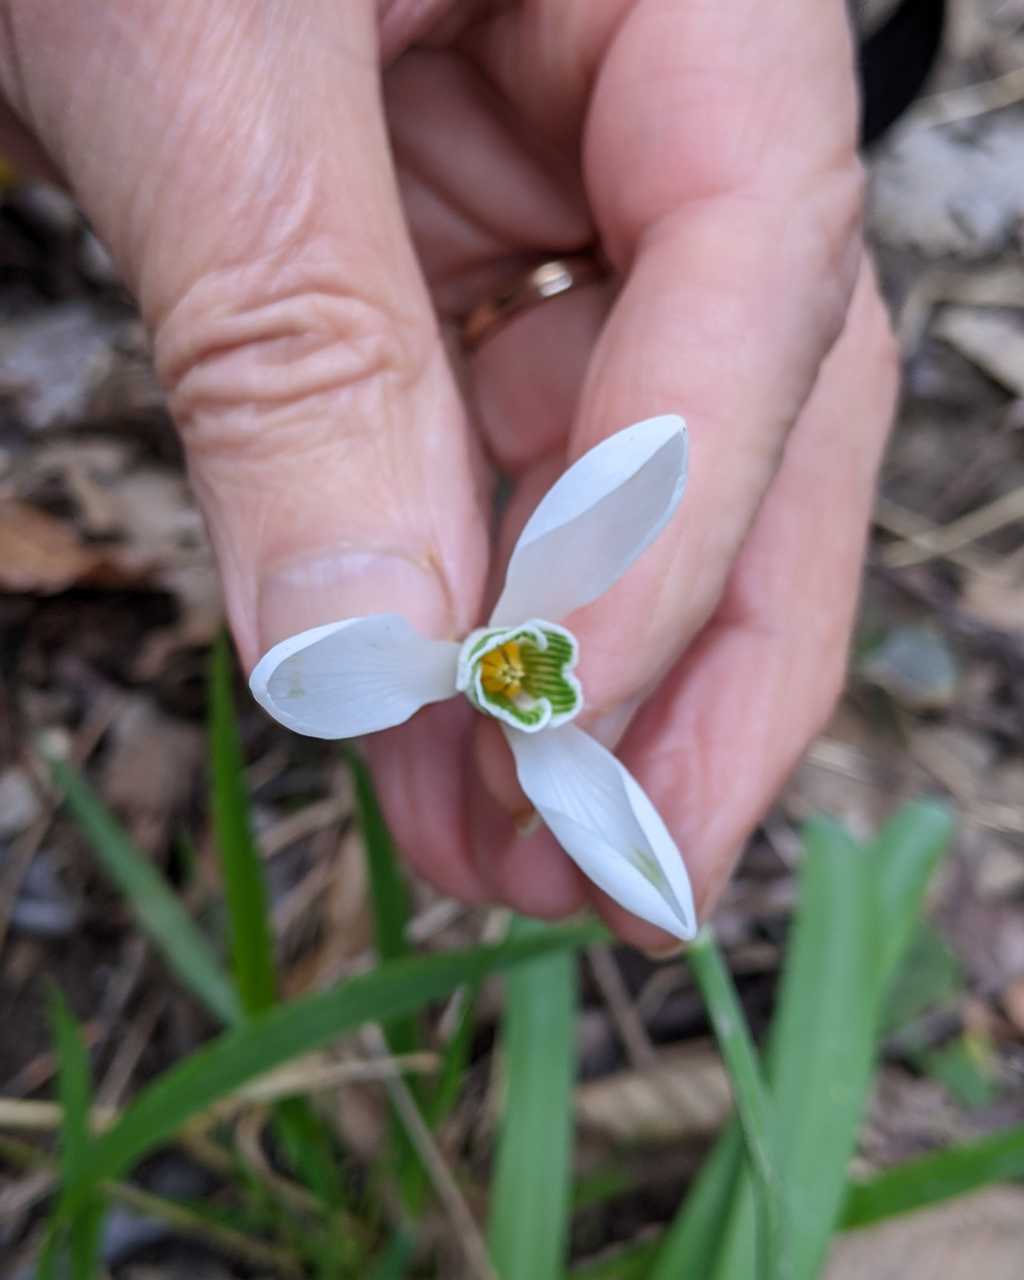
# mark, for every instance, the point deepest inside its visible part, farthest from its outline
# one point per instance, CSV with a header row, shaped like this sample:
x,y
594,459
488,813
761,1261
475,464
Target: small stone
x,y
54,743
19,804
915,666
43,907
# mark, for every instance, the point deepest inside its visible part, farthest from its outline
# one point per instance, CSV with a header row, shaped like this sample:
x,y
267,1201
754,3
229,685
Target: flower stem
x,y
749,1095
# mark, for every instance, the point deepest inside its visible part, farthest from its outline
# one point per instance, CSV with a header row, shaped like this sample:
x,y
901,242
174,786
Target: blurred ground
x,y
108,601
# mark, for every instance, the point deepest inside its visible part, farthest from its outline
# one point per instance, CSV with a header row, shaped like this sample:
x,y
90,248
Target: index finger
x,y
723,173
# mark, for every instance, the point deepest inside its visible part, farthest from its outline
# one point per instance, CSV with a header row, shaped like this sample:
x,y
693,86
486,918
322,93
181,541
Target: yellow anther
x,y
502,670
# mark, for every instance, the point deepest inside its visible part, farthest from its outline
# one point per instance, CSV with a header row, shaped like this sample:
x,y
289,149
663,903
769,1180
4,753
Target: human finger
x,y
244,184
715,743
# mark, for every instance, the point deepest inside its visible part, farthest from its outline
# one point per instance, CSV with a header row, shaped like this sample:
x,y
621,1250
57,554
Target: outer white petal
x,y
607,824
594,522
353,677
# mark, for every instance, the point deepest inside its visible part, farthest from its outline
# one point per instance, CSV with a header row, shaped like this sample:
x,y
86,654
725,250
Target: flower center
x,y
522,675
502,670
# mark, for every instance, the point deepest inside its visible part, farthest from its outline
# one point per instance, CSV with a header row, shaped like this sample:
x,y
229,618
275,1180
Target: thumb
x,y
236,160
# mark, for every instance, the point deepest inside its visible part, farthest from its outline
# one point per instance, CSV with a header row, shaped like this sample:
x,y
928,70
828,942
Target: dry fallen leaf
x,y
993,339
42,555
150,768
995,600
685,1095
1013,1002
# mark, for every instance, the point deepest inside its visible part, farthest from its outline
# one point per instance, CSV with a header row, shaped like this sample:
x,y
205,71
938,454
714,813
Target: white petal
x,y
353,677
607,824
594,522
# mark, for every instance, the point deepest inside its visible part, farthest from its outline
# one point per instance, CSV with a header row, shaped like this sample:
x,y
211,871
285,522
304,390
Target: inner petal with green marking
x,y
522,675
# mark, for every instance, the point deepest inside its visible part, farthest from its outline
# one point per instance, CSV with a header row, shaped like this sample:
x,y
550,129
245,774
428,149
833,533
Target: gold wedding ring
x,y
549,279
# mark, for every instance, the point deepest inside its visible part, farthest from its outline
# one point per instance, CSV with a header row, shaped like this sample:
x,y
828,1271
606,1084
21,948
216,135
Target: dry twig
x,y
447,1188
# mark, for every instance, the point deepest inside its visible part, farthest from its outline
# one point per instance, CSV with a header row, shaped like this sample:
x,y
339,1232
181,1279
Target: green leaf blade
x,y
252,947
444,1094
856,912
633,1262
530,1202
159,911
906,852
750,1099
695,1236
389,900
288,1031
823,1040
389,896
74,1085
929,1180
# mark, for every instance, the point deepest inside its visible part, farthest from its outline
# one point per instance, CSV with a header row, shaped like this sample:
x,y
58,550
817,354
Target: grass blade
x,y
823,1038
857,911
159,911
694,1240
928,975
750,1099
819,1056
390,900
529,1214
394,1262
446,1088
305,1141
287,1031
934,1178
856,914
905,852
75,1092
631,1263
252,948
696,1235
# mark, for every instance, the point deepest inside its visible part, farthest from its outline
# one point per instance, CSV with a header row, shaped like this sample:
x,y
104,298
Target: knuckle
x,y
254,364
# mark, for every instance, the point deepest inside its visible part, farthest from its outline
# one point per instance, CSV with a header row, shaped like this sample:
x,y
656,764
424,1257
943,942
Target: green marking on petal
x,y
548,672
522,675
527,716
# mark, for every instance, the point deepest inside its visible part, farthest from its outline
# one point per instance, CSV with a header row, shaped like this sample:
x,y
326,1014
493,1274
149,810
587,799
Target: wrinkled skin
x,y
235,157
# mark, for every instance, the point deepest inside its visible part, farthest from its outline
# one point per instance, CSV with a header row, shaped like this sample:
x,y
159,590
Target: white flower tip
x,y
668,432
268,676
353,677
598,517
667,424
659,431
607,824
685,929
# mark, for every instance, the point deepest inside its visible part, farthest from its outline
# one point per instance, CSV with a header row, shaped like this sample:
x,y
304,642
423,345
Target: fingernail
x,y
309,590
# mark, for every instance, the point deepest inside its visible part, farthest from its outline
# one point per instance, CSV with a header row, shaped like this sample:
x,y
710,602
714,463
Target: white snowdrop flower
x,y
362,675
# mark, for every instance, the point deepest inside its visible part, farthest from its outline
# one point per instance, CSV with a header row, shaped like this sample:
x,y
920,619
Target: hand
x,y
235,157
